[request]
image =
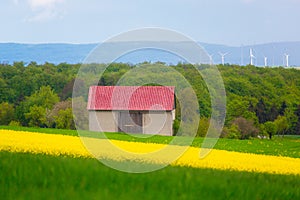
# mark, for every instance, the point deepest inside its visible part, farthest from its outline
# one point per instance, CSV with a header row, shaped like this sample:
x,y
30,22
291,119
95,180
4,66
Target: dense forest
x,y
260,101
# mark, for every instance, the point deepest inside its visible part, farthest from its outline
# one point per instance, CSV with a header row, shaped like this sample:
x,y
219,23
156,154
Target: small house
x,y
132,109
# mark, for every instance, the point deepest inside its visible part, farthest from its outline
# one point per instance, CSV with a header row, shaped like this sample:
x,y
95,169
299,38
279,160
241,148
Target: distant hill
x,y
241,55
41,53
76,53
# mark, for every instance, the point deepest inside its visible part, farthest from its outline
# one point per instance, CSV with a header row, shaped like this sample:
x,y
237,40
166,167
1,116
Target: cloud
x,y
43,4
16,2
44,10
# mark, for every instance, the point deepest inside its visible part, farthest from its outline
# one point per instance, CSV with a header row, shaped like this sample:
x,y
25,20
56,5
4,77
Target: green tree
x,y
238,107
61,116
189,113
45,98
271,91
282,125
203,126
297,126
292,120
261,111
270,128
6,113
81,115
232,132
19,65
51,115
64,119
36,116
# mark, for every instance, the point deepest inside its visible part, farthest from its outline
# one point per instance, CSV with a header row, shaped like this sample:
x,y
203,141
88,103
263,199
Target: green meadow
x,y
39,176
27,176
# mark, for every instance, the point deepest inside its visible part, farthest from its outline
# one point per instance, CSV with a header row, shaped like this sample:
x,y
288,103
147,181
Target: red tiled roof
x,y
131,98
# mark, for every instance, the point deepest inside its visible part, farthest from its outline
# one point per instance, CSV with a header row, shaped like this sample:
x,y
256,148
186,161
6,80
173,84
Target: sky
x,y
228,22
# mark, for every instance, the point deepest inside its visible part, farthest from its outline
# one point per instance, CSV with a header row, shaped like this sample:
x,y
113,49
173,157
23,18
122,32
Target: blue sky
x,y
229,22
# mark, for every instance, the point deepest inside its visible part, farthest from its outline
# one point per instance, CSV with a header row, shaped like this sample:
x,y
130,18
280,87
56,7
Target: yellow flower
x,y
19,141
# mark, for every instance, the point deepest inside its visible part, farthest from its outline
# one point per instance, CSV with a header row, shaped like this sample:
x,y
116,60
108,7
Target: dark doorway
x,y
130,122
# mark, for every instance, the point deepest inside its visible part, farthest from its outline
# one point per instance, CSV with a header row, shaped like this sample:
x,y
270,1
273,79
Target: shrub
x,y
246,128
176,125
64,119
203,127
6,113
14,123
232,132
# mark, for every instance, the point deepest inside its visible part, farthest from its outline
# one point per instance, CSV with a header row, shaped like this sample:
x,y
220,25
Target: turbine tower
x,y
266,61
287,59
251,56
223,57
211,59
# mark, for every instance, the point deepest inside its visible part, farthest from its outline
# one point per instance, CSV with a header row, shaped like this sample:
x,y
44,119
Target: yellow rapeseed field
x,y
50,144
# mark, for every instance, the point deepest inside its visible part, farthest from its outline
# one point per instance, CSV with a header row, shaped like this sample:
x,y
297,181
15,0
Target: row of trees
x,y
260,101
37,95
41,109
268,97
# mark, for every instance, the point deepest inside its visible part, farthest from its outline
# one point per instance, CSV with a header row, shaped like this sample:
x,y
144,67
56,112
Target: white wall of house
x,y
154,122
103,121
158,122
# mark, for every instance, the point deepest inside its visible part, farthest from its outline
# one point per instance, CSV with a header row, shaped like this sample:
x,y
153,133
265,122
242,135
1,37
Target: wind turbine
x,y
266,61
287,59
211,59
251,56
223,57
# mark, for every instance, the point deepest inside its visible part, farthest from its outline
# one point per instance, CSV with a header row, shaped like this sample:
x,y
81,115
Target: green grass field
x,y
288,146
27,176
38,176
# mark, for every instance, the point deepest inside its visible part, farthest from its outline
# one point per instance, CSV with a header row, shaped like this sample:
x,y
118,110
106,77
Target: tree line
x,y
260,101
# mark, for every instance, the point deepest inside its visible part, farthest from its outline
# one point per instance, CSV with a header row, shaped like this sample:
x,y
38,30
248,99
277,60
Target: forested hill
x,y
254,95
41,53
76,53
